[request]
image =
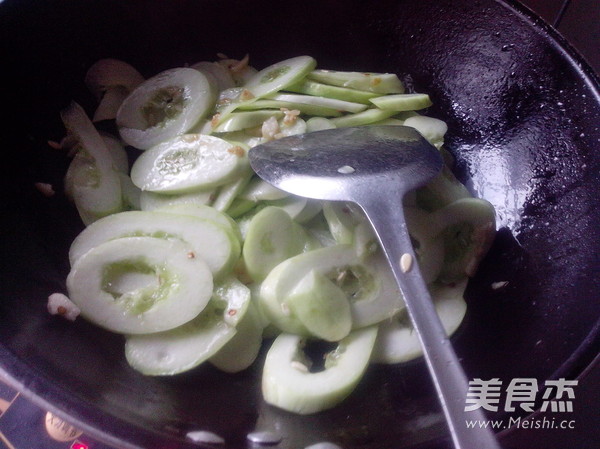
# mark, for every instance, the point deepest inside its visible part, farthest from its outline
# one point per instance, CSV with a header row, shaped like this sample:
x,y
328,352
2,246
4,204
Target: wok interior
x,y
523,127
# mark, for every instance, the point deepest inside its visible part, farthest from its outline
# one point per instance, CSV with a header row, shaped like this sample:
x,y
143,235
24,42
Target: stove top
x,y
24,425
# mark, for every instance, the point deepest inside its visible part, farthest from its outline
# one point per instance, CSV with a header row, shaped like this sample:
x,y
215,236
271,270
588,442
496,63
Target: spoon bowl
x,y
375,167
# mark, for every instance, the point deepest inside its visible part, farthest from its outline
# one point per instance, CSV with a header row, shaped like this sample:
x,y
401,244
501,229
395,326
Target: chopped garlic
x,y
45,189
498,285
59,304
270,128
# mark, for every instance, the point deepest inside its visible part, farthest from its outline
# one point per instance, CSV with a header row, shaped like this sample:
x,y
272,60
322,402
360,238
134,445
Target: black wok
x,y
524,114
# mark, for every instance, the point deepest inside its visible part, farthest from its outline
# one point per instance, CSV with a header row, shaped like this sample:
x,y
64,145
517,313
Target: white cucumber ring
x,y
288,384
140,285
188,162
164,106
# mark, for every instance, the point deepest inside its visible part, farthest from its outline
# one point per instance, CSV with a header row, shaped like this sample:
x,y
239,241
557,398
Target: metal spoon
x,y
375,167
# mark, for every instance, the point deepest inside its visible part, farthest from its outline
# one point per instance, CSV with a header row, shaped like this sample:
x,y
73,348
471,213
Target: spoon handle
x,y
386,214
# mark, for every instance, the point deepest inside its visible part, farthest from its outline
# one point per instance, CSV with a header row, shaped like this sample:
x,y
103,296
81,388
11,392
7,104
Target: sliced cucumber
x,y
272,237
321,306
468,232
151,200
164,106
319,101
309,109
318,124
109,105
237,121
207,240
109,73
310,87
187,346
398,341
93,182
288,384
402,102
215,71
431,128
131,194
428,244
280,75
140,285
381,83
241,351
228,193
259,190
369,286
366,117
180,349
188,162
204,212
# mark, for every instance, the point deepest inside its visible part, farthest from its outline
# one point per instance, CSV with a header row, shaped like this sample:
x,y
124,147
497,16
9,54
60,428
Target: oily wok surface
x,y
523,116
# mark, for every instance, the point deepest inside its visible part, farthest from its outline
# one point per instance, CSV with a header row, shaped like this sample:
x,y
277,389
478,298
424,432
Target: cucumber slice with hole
x,y
140,285
398,342
188,162
207,240
164,106
381,83
187,346
288,384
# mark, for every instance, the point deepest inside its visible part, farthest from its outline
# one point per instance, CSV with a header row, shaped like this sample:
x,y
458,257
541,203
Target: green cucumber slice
x,y
131,194
432,129
140,285
241,351
319,101
259,190
397,340
215,244
271,238
164,106
427,243
381,83
237,121
310,87
229,192
188,162
204,212
91,181
280,75
187,346
309,109
368,283
402,102
288,384
468,233
151,200
321,306
318,124
366,117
